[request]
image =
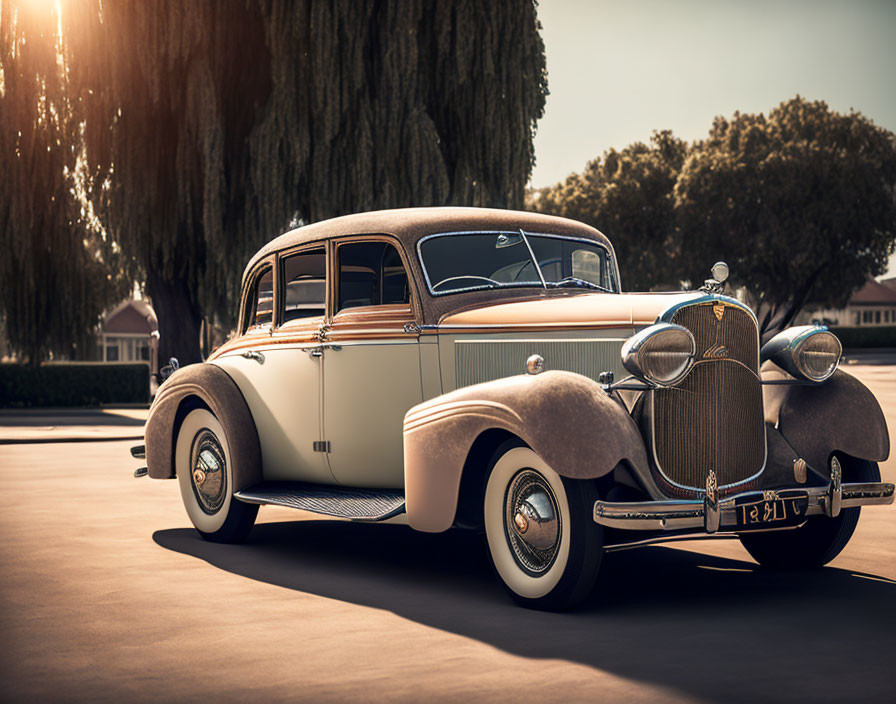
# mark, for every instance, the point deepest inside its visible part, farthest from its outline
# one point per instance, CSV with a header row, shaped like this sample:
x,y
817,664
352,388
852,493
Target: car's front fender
x,y
839,415
568,419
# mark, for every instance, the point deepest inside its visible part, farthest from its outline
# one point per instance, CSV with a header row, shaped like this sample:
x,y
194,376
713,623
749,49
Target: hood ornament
x,y
716,284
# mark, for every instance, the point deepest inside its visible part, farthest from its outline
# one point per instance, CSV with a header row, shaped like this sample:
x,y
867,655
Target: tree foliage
x,y
209,130
801,204
54,271
629,194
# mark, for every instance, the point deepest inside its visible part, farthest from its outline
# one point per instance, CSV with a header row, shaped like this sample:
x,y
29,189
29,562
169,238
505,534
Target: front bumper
x,y
714,514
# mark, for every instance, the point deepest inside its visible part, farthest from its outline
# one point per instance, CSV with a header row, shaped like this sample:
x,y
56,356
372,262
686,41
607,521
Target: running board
x,y
337,501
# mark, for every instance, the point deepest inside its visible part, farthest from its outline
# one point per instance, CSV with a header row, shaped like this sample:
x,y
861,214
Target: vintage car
x,y
482,369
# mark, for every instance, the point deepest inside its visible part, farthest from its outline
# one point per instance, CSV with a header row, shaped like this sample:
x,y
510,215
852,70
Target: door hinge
x,y
321,445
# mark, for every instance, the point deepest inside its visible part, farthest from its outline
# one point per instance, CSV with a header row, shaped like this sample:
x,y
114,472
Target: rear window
x,y
263,300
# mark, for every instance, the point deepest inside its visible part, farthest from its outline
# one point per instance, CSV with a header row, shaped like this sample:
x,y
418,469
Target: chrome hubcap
x,y
532,521
209,473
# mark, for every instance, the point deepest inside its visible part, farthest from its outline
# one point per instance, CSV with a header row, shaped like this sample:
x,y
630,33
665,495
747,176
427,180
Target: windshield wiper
x,y
575,282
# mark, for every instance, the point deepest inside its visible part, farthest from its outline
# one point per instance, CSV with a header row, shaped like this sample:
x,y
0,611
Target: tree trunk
x,y
179,320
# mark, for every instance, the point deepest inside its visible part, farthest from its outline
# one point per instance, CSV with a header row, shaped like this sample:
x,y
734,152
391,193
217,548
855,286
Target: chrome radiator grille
x,y
714,418
476,361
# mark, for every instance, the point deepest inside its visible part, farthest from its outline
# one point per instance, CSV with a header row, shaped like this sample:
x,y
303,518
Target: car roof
x,y
408,225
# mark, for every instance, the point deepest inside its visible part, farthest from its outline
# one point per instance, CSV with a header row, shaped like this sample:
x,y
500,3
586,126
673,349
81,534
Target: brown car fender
x,y
568,419
213,387
838,415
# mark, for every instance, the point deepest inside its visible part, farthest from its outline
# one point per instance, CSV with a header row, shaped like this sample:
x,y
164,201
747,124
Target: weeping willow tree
x,y
54,269
211,126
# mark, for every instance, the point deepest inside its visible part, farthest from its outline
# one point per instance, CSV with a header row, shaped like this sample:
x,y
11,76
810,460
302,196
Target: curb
x,y
77,438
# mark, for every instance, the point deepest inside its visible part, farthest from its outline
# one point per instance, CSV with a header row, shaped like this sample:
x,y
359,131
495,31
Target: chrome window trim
x,y
611,259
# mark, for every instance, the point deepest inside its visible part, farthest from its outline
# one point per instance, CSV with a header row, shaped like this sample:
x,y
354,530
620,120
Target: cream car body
x,y
456,367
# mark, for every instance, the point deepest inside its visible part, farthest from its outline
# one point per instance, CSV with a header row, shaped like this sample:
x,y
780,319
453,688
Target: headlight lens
x,y
818,356
807,352
662,354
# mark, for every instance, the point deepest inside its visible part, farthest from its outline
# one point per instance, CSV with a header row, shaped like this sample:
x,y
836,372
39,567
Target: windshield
x,y
466,261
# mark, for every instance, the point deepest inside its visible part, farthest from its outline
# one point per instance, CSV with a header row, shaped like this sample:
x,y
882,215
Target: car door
x,y
371,364
280,373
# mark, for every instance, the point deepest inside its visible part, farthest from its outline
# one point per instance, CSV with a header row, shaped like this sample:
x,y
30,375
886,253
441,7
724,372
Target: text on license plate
x,y
789,511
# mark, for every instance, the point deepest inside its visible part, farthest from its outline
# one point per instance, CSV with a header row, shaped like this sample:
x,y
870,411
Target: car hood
x,y
583,310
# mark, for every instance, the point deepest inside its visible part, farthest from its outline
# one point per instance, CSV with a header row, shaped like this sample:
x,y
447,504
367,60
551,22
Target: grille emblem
x,y
719,310
716,352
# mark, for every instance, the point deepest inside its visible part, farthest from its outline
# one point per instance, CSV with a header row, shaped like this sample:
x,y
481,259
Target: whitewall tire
x,y
543,542
204,468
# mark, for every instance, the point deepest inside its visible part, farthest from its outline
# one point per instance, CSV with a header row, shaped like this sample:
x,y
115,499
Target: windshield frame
x,y
612,266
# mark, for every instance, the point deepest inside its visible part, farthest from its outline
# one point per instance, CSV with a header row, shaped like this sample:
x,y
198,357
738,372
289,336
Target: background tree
x,y
54,271
209,130
629,195
801,204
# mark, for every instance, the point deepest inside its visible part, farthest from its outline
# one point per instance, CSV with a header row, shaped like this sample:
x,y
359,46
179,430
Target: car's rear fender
x,y
568,419
208,385
839,415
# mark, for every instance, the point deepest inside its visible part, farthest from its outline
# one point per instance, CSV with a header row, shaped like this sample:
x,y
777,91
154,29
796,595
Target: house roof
x,y
875,293
131,317
889,283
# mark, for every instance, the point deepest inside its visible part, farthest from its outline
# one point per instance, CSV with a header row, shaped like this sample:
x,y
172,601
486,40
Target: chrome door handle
x,y
253,354
319,350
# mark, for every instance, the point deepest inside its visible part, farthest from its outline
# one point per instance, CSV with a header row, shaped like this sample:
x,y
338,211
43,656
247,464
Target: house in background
x,y
129,333
872,305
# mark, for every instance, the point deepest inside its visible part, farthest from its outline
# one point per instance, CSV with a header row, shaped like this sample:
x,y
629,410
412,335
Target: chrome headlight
x,y
662,354
808,352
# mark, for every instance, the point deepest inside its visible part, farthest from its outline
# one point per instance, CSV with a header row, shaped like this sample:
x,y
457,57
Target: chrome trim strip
x,y
691,515
659,540
667,314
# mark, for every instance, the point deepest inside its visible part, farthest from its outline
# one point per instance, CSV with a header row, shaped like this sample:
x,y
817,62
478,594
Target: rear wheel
x,y
204,468
820,539
544,544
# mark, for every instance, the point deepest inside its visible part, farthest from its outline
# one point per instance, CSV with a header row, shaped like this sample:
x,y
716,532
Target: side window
x,y
304,285
263,301
371,274
588,265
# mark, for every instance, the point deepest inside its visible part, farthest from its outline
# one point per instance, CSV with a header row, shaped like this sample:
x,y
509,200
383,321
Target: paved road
x,y
107,595
73,424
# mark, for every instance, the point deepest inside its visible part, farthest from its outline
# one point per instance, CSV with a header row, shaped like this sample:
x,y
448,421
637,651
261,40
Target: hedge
x,y
871,336
73,384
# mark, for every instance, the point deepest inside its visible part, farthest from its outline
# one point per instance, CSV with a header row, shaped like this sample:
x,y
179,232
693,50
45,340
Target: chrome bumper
x,y
714,514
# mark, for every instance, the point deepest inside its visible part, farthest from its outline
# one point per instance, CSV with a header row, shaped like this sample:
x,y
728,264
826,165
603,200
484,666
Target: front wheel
x,y
542,539
820,539
204,468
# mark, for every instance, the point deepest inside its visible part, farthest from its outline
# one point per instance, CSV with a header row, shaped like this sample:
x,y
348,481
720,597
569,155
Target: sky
x,y
619,70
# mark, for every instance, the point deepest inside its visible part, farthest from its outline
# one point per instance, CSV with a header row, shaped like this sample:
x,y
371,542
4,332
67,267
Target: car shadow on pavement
x,y
709,627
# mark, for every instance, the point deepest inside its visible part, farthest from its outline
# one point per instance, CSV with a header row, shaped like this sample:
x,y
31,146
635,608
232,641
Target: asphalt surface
x,y
71,424
109,595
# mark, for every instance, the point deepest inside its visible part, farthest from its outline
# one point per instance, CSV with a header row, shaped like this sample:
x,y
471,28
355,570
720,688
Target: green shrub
x,y
877,336
73,384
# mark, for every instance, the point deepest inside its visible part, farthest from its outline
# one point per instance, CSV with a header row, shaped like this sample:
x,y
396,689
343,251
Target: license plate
x,y
772,512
